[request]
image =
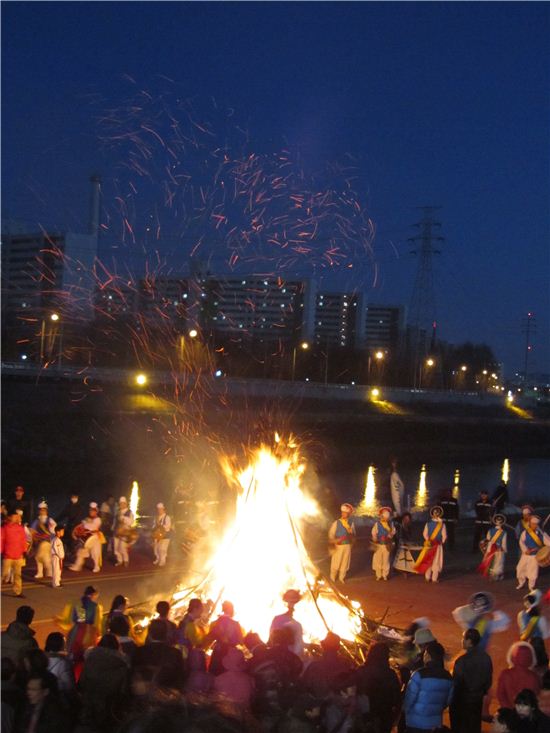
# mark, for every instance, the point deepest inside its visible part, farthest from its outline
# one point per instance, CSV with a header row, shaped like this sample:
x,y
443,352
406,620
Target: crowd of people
x,y
103,672
79,535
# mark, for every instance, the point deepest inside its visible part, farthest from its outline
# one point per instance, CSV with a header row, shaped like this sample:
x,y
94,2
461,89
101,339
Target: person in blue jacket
x,y
429,692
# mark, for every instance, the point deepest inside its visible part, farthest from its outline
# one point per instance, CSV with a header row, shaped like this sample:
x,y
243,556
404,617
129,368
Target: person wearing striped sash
x,y
430,560
531,540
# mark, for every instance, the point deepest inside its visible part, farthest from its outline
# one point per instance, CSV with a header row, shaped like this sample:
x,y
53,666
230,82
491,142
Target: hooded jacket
x,y
520,675
428,693
235,684
17,639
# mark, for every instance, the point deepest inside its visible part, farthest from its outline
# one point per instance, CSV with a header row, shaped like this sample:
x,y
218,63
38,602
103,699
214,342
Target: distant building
x,y
338,318
384,327
257,307
164,298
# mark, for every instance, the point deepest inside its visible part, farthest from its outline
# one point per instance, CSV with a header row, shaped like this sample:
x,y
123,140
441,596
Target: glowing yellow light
x,y
463,368
510,397
505,470
141,379
379,355
430,362
374,393
456,483
54,317
485,372
422,493
261,554
193,333
368,503
134,499
304,345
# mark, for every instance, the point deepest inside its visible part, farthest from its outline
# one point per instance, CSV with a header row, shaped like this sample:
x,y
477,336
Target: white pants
x,y
432,573
43,557
339,565
381,561
527,569
160,548
497,566
122,551
92,548
56,571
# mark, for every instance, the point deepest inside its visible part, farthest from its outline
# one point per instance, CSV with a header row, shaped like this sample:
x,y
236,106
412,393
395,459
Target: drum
x,y
543,557
128,534
80,533
158,534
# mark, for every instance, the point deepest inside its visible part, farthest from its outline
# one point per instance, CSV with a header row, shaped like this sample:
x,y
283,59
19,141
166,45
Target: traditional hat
x,y
43,505
499,519
526,506
482,602
160,505
292,596
423,636
124,499
93,505
436,511
384,509
346,508
533,598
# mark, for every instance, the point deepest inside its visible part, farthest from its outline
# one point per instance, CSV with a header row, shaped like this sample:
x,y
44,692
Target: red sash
x,y
427,555
485,564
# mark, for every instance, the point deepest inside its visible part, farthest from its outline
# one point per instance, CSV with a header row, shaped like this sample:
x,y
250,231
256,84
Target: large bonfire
x,y
262,553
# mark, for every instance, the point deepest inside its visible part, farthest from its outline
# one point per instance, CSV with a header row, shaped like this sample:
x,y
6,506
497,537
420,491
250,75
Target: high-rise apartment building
x,y
337,319
384,327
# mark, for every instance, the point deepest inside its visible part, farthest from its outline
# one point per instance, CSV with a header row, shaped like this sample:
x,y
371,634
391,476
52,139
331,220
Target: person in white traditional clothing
x,y
162,530
397,488
58,554
291,598
42,530
430,560
382,533
341,537
531,621
479,614
88,532
531,540
123,524
492,565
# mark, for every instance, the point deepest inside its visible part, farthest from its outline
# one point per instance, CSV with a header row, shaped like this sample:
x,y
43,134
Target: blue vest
x,y
432,524
341,531
524,622
530,542
492,533
382,533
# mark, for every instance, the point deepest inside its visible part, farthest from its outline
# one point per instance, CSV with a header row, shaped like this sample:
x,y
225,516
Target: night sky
x,y
436,103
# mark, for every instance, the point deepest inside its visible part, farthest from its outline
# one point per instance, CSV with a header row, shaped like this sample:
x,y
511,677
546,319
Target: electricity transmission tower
x,y
422,310
528,327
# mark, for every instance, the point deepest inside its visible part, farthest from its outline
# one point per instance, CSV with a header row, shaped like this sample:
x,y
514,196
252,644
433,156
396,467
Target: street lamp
x,y
193,333
429,363
464,368
304,346
54,317
141,379
379,356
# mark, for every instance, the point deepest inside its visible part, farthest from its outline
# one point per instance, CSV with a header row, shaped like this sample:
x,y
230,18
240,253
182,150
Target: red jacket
x,y
13,541
520,676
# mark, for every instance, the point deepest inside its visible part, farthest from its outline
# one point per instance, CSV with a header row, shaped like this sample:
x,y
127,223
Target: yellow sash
x,y
536,539
526,634
346,526
437,530
496,536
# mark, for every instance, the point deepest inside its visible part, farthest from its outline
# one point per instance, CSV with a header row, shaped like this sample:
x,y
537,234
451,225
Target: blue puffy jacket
x,y
428,693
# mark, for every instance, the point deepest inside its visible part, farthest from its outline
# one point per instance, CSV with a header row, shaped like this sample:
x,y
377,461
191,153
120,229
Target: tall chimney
x,y
93,226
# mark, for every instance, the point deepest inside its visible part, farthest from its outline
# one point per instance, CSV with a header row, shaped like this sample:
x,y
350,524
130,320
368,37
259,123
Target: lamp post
x,y
379,358
47,340
428,364
304,346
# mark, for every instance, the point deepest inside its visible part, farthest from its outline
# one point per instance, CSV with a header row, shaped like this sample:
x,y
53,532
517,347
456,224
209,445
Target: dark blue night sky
x,y
436,103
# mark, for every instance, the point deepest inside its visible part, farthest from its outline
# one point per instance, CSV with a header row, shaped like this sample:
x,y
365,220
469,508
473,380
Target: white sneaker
x,y
73,567
520,586
38,576
96,570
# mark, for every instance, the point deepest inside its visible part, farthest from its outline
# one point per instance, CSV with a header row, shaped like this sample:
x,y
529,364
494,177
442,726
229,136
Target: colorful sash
x,y
529,629
484,567
345,537
538,542
427,555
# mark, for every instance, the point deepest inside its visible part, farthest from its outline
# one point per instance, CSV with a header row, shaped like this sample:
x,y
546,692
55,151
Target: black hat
x,y
90,590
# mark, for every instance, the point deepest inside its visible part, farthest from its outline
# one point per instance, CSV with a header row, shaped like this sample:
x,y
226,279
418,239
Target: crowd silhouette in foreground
x,y
103,673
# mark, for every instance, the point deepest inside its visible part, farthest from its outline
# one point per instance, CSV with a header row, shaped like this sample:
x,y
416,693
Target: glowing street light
x,y
304,346
464,368
54,317
375,393
379,355
193,333
141,379
430,362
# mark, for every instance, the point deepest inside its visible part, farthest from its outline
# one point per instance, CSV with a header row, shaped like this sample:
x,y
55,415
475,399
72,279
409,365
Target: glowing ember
x,y
262,554
134,499
368,504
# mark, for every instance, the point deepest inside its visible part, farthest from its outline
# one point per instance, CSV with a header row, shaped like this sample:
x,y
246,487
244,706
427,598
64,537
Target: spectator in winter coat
x,y
429,692
13,697
19,637
164,661
303,716
472,679
519,675
58,663
43,713
198,679
120,627
103,682
380,684
319,675
504,720
13,541
235,684
544,694
530,718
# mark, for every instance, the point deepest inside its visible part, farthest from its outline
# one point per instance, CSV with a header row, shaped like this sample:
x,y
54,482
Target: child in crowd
x,y
58,554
